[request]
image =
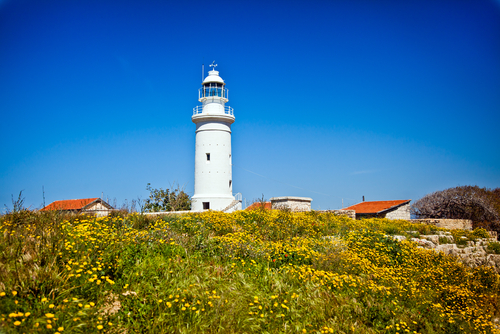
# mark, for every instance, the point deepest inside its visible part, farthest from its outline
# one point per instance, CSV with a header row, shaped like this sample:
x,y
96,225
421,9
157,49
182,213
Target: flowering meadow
x,y
255,271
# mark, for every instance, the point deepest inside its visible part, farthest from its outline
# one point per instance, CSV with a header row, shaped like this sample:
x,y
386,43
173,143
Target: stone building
x,y
85,205
399,209
292,203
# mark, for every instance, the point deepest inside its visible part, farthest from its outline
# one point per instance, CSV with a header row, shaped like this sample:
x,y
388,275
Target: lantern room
x,y
213,87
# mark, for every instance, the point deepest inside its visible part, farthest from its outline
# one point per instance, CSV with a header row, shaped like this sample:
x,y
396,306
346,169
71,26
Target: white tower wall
x,y
213,161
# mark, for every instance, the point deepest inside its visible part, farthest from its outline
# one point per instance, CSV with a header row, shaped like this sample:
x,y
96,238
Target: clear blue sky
x,y
333,99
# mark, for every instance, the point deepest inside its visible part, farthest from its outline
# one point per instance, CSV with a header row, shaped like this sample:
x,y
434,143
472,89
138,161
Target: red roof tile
x,y
69,204
376,206
258,205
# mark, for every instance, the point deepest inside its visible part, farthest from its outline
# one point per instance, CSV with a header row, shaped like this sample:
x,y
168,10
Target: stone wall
x,y
451,224
474,254
402,212
349,213
291,203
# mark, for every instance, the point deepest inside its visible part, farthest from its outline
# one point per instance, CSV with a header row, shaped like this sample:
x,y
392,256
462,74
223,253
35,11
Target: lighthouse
x,y
213,184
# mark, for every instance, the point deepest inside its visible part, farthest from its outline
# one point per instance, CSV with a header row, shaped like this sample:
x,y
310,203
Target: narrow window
x,y
206,205
208,156
230,182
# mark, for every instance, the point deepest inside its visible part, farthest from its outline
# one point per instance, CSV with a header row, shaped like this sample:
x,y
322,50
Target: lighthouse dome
x,y
213,76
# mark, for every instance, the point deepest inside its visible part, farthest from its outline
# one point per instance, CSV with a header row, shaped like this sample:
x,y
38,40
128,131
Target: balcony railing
x,y
227,110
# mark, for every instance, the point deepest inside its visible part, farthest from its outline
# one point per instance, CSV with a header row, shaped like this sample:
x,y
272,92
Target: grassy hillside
x,y
245,272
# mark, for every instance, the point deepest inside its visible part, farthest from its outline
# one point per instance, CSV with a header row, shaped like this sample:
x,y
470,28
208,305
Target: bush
x,y
494,247
166,200
443,240
465,202
481,233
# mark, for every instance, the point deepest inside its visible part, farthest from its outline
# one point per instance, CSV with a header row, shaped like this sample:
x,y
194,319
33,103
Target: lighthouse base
x,y
215,203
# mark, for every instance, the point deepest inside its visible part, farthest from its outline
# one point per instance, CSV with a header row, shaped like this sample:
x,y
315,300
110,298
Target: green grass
x,y
246,272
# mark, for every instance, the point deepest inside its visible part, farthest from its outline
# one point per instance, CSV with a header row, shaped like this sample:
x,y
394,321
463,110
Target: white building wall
x,y
213,160
402,212
98,209
213,175
292,203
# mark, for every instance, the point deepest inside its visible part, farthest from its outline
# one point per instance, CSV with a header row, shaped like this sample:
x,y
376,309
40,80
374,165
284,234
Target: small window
x,y
230,182
208,156
206,205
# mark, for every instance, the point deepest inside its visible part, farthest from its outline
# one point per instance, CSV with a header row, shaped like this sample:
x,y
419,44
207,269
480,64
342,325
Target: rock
x,y
481,242
473,256
127,293
472,250
424,243
480,250
495,260
433,237
398,237
111,306
449,249
451,224
474,259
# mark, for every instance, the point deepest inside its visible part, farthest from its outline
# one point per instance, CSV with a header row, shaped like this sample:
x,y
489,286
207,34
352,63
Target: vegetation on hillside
x,y
260,271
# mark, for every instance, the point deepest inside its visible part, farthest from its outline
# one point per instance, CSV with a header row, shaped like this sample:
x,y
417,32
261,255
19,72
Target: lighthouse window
x,y
206,205
208,156
213,89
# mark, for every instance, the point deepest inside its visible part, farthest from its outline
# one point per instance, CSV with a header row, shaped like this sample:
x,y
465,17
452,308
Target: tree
x,y
466,202
166,200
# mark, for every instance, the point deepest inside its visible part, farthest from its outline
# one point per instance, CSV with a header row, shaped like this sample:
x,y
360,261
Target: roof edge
x,y
395,206
97,200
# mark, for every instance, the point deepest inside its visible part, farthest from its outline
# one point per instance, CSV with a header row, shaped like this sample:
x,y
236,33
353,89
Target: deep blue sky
x,y
333,99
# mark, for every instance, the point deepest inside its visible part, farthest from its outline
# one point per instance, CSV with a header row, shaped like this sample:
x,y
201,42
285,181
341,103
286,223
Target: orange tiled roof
x,y
69,204
376,206
257,205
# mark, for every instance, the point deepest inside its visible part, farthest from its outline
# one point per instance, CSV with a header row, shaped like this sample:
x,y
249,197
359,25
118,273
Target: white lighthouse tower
x,y
213,188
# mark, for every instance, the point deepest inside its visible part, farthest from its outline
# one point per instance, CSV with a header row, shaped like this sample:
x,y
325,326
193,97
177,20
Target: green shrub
x,y
494,247
480,233
443,240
